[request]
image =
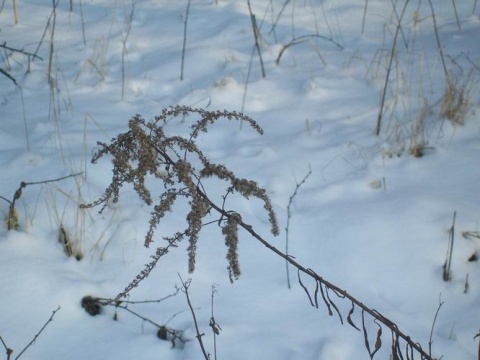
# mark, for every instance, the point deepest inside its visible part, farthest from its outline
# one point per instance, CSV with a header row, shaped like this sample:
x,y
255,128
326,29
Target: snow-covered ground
x,y
371,218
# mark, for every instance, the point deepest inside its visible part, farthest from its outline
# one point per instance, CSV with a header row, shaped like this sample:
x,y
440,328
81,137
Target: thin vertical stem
x,y
15,11
185,286
364,15
387,77
52,36
439,45
83,24
124,48
256,34
456,15
185,23
287,228
25,119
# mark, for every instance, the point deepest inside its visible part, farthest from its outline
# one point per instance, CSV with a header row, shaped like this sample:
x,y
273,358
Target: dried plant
x,y
12,221
146,152
456,101
418,140
94,306
9,351
447,271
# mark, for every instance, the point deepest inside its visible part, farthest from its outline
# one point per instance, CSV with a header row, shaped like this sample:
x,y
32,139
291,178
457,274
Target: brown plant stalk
x,y
145,151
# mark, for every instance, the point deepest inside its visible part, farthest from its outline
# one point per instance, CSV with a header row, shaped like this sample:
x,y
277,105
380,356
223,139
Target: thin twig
x,y
430,341
21,51
124,307
18,194
51,180
5,199
104,301
278,16
3,72
185,286
43,35
289,215
38,333
213,324
302,39
8,351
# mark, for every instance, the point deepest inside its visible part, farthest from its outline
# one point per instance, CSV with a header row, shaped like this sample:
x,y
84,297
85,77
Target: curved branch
x,y
374,313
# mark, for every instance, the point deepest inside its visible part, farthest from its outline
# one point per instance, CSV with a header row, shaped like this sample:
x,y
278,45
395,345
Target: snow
x,y
371,219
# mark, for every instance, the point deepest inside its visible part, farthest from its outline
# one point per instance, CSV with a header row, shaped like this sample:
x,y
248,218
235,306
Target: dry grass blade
x,y
389,69
456,101
447,272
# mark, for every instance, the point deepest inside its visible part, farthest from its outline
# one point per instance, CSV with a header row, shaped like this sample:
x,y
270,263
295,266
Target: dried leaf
x,y
349,317
316,293
396,352
326,302
304,288
378,341
365,335
334,306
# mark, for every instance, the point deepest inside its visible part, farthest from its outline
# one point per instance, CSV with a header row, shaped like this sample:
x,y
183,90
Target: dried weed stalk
x,y
145,151
94,306
9,351
12,221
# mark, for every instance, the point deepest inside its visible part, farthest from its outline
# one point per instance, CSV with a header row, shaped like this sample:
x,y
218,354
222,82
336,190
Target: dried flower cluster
x,y
145,151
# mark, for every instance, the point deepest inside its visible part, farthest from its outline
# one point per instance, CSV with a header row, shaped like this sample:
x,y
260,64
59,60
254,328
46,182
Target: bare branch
x,y
185,286
38,333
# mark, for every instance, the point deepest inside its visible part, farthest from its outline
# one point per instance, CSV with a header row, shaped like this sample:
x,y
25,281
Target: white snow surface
x,y
371,218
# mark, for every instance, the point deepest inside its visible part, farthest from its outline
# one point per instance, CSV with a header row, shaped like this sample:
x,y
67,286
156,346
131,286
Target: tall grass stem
x,y
185,24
